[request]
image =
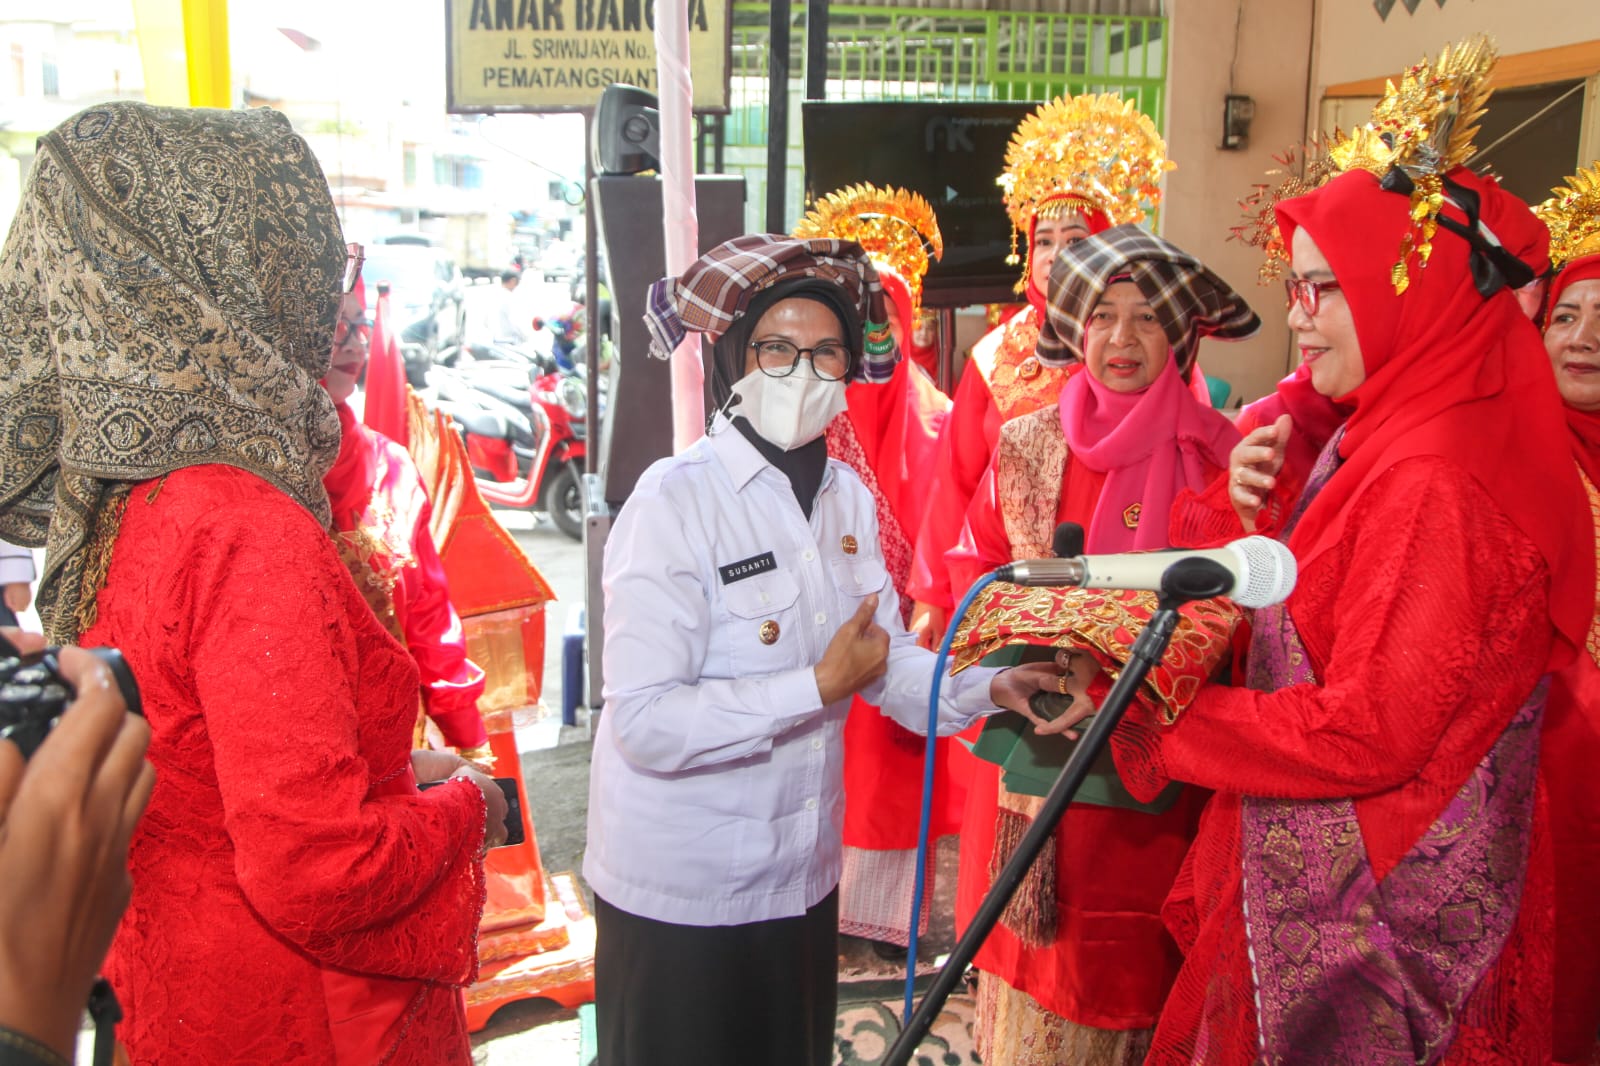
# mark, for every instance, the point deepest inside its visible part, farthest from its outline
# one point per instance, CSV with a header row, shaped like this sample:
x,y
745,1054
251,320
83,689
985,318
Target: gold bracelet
x,y
481,756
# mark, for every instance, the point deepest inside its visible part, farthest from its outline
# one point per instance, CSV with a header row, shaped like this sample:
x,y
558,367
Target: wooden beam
x,y
1566,63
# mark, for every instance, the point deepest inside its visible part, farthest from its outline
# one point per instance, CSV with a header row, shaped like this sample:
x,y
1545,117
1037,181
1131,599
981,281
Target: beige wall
x,y
1203,193
1353,43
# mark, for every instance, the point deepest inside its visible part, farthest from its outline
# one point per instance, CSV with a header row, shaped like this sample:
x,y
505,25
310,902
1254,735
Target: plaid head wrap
x,y
714,292
1189,300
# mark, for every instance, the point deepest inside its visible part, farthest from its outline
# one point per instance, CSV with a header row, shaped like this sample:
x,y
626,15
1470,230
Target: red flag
x,y
385,408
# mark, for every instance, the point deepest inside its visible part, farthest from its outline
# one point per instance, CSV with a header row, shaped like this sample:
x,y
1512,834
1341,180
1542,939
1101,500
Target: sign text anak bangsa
x,y
557,55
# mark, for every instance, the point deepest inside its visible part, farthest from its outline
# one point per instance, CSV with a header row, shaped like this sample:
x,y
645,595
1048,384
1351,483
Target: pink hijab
x,y
1150,444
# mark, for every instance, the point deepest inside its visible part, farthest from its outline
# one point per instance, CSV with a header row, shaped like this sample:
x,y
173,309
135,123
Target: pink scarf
x,y
1150,445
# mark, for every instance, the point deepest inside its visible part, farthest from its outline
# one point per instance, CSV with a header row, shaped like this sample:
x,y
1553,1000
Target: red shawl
x,y
1449,374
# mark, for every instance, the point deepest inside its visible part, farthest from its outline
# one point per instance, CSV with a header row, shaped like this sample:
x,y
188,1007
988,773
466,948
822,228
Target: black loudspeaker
x,y
637,429
627,131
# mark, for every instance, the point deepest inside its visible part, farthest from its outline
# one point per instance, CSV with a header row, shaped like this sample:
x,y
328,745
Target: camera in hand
x,y
508,786
34,695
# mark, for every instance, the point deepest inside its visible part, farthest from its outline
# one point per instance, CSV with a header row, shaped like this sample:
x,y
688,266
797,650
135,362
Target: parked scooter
x,y
525,427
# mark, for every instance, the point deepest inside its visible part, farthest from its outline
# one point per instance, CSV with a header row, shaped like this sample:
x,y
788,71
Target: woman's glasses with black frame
x,y
778,359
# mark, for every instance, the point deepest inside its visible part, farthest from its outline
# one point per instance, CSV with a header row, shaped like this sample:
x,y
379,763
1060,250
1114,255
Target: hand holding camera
x,y
66,817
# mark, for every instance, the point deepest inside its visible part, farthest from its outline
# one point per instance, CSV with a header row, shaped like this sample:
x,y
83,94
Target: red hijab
x,y
1583,425
1449,374
1522,232
351,479
897,298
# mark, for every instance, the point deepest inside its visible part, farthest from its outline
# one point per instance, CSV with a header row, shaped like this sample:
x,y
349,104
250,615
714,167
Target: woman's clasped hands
x,y
429,765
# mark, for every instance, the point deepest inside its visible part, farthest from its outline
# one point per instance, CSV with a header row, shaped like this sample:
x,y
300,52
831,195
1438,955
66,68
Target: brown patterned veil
x,y
168,292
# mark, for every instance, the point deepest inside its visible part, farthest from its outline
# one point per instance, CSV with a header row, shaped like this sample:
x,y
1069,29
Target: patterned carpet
x,y
866,1030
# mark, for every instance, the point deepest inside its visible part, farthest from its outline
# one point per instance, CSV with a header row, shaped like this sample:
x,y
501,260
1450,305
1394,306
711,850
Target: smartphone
x,y
508,785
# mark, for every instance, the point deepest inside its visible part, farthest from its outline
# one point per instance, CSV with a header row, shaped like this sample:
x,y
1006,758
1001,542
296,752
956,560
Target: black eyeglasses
x,y
1308,293
354,257
777,359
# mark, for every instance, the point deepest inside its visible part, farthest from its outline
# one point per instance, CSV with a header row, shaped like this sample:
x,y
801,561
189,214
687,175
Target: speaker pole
x,y
777,113
591,301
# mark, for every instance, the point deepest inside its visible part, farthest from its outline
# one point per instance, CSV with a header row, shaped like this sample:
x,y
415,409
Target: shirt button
x,y
808,555
822,619
811,804
816,743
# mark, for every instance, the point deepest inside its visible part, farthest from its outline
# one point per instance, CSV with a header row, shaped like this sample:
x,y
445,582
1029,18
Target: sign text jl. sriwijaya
x,y
557,55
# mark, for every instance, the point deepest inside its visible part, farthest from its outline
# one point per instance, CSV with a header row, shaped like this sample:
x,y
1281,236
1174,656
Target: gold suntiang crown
x,y
1094,152
894,226
1424,128
1573,216
1260,224
1421,129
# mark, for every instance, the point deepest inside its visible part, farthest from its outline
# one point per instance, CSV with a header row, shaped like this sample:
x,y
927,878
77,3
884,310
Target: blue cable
x,y
927,783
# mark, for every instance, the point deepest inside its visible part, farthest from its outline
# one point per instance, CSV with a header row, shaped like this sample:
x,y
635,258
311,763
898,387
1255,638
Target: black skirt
x,y
724,995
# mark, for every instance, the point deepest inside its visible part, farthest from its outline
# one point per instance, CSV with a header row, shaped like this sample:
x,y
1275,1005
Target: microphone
x,y
1258,571
1067,541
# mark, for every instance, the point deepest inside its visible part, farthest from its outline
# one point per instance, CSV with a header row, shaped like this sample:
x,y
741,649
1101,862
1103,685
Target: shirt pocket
x,y
763,623
858,576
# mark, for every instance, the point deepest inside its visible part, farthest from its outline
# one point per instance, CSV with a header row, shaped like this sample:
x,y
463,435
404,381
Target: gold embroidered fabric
x,y
1105,622
168,292
1018,382
1013,1029
1030,464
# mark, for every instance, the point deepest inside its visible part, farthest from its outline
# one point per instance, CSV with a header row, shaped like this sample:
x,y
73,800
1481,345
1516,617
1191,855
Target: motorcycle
x,y
525,425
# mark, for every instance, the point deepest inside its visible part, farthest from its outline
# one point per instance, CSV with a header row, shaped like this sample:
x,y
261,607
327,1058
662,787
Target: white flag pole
x,y
680,221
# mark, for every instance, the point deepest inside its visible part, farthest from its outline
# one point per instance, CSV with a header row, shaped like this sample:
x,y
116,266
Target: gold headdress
x,y
1082,154
1573,216
1423,129
1260,224
1418,132
893,226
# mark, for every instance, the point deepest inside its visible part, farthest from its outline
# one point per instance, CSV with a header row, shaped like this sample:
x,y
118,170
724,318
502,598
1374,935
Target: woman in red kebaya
x,y
1077,970
1373,879
380,526
1074,167
1571,743
888,434
170,286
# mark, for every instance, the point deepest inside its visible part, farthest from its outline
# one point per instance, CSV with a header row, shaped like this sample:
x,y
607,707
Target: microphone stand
x,y
1184,581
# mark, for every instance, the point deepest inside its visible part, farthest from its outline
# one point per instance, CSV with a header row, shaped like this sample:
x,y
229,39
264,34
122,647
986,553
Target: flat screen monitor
x,y
950,152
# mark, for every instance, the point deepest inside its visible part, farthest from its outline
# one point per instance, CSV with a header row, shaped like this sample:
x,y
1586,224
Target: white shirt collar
x,y
741,459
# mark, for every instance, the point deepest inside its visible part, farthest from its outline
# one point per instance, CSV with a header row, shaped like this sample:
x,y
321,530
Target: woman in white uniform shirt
x,y
746,602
